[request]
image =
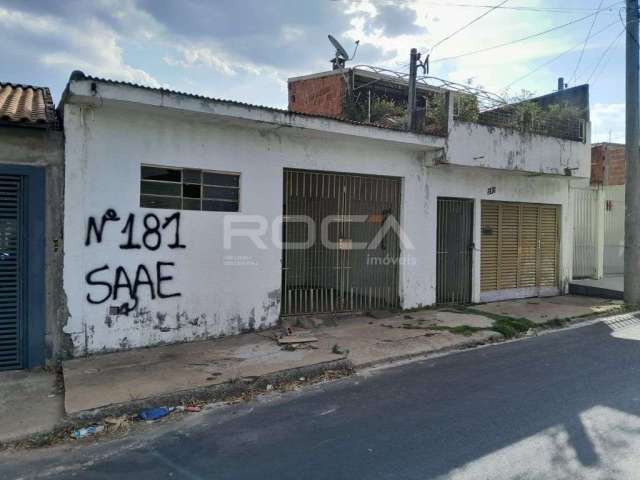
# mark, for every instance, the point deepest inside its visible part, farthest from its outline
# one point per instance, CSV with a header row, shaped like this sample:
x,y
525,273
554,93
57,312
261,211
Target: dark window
x,y
192,176
191,204
160,188
221,179
221,193
219,206
152,201
161,174
189,189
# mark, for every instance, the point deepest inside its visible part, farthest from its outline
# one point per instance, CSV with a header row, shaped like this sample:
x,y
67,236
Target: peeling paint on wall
x,y
205,297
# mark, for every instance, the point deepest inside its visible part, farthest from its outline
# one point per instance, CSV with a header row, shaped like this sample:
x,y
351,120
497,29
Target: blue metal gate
x,y
12,271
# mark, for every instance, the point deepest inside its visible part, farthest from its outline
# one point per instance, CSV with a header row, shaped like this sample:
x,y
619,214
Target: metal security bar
x,y
356,267
455,250
12,331
565,128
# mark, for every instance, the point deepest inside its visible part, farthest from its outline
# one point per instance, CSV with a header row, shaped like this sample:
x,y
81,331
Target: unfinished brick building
x,y
607,164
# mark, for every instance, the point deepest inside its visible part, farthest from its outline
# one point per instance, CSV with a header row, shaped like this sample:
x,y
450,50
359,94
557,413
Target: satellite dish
x,y
341,54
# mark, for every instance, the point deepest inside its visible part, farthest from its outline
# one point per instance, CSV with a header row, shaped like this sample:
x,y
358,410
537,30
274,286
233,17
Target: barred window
x,y
189,189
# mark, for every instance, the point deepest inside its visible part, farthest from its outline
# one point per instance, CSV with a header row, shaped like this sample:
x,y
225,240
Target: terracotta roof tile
x,y
26,105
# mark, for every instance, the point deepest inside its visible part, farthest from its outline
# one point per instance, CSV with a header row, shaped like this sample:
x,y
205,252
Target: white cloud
x,y
194,43
89,46
607,122
192,56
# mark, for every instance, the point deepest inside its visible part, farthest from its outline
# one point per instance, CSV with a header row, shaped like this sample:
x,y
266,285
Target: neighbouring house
x,y
190,217
599,215
32,308
607,164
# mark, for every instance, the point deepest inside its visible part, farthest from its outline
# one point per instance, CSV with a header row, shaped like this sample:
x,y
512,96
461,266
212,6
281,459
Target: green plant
x,y
512,327
381,110
466,107
465,330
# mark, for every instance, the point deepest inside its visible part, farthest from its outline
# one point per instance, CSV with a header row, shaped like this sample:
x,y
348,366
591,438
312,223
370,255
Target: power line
x,y
613,42
584,45
625,25
528,37
542,65
568,10
467,25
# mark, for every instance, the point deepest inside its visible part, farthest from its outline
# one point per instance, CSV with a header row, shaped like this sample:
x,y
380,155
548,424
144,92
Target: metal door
x,y
454,250
355,268
12,261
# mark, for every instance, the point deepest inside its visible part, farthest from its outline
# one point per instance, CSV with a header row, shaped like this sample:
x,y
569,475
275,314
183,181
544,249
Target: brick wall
x,y
607,164
318,96
616,167
597,164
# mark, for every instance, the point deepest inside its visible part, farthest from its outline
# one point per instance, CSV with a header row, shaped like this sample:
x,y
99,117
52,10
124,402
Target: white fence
x,y
598,235
585,233
614,230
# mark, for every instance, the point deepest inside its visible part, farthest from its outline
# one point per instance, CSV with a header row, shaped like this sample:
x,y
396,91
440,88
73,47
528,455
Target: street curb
x,y
208,394
218,392
495,338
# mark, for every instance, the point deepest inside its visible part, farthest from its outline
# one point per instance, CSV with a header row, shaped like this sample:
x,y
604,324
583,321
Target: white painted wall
x,y
475,145
105,147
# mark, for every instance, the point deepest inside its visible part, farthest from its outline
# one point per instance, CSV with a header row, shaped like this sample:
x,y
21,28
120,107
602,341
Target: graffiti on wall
x,y
124,285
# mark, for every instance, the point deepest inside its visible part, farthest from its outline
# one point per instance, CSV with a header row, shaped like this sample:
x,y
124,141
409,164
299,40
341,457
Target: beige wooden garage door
x,y
520,245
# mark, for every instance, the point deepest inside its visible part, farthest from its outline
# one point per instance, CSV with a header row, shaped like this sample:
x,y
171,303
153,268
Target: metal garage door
x,y
12,333
520,245
339,276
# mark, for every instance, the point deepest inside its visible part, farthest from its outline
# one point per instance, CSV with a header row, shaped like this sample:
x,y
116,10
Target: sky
x,y
246,49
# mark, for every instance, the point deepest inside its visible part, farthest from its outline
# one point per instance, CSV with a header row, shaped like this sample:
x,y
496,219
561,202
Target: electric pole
x,y
632,155
413,77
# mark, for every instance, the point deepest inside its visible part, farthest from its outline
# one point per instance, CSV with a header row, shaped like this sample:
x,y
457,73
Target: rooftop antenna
x,y
342,56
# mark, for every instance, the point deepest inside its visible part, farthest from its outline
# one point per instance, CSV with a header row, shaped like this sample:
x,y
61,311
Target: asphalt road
x,y
562,405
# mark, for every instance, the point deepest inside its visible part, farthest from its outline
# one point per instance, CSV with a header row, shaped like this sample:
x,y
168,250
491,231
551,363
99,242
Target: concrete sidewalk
x,y
30,402
134,375
212,369
355,341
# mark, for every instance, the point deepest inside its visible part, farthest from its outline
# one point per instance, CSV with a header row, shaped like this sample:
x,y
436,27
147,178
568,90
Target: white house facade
x,y
174,208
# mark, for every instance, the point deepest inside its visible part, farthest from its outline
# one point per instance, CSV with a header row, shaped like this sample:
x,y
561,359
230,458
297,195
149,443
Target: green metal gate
x,y
340,274
12,266
454,250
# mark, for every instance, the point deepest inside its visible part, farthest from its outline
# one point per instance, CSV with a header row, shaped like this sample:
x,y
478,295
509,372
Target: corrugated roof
x,y
27,105
78,75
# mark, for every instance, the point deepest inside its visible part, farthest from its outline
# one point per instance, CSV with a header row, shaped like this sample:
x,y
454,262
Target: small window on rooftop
x,y
189,189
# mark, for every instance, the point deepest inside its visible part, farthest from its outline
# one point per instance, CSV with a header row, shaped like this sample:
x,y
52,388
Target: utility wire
x,y
542,65
604,54
624,23
584,45
467,25
568,10
522,39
